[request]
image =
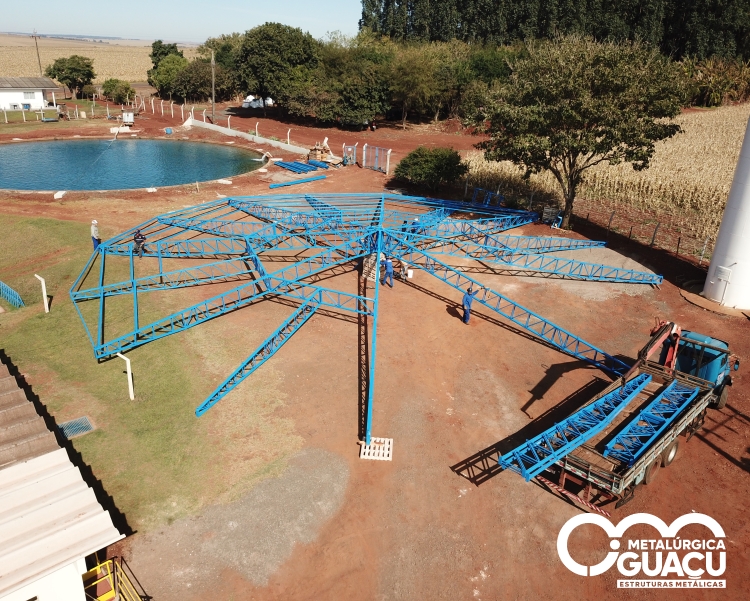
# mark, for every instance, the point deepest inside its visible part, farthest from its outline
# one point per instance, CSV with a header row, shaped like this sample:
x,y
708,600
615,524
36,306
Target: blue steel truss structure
x,y
247,250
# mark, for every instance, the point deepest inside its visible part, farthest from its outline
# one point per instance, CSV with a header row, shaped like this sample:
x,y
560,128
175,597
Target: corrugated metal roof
x,y
49,517
36,83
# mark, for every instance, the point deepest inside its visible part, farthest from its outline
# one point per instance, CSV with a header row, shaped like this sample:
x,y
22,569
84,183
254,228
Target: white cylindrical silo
x,y
728,281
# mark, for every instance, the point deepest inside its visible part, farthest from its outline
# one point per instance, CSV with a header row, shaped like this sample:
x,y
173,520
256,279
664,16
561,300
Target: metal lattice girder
x,y
262,354
536,455
474,229
278,215
331,298
325,210
538,244
648,425
221,227
209,273
233,299
521,316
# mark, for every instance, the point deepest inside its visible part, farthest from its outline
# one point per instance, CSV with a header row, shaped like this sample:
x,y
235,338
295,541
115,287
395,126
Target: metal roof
x,y
25,83
49,517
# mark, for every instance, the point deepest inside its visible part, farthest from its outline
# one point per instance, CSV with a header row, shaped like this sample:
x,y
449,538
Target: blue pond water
x,y
107,165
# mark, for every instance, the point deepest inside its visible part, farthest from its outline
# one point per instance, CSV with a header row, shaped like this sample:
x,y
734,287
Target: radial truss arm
x,y
263,353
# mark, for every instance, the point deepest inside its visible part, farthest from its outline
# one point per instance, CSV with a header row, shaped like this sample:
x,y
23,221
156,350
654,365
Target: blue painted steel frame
x,y
319,233
536,455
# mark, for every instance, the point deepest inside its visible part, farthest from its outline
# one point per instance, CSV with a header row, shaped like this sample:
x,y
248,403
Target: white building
x,y
26,93
50,520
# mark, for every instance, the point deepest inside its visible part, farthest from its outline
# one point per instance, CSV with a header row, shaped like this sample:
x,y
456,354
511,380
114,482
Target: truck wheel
x,y
652,470
668,454
722,402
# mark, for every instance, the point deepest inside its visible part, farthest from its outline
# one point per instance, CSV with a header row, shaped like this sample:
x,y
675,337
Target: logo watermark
x,y
668,561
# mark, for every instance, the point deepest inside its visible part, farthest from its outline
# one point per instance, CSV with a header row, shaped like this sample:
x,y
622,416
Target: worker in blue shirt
x,y
467,300
388,264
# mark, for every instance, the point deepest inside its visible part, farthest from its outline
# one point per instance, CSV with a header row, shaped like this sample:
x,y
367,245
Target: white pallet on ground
x,y
379,449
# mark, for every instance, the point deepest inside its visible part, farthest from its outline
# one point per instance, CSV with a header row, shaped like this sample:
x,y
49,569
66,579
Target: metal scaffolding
x,y
281,247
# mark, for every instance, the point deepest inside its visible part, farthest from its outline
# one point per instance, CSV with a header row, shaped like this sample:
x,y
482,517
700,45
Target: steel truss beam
x,y
635,439
536,455
263,353
521,316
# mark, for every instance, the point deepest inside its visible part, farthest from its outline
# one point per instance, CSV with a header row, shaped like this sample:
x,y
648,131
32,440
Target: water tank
x,y
728,281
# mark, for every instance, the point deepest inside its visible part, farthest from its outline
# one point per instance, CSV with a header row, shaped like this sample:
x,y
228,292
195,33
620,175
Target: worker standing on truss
x,y
388,264
139,239
467,300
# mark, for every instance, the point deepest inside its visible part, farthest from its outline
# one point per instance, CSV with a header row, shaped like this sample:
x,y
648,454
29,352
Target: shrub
x,y
88,91
431,167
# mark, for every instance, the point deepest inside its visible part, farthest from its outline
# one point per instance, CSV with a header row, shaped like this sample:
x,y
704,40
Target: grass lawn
x,y
153,456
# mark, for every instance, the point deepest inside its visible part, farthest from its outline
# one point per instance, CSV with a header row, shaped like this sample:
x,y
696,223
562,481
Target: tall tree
x,y
74,72
273,58
575,103
160,51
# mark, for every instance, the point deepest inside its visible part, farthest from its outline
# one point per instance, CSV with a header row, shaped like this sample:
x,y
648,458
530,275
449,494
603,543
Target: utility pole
x,y
35,36
213,88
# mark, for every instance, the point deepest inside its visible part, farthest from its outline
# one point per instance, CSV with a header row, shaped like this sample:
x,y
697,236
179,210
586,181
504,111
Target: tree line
x,y
678,28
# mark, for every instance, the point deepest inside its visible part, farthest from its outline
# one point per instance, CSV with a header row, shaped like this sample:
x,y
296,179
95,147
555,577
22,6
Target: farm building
x,y
26,93
50,519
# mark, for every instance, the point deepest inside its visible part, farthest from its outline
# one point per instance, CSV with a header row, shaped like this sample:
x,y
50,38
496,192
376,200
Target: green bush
x,y
431,167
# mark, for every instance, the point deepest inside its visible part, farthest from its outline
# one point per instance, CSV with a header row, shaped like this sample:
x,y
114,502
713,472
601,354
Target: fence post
x,y
630,235
23,114
44,292
364,155
162,108
130,375
204,115
229,119
289,131
388,161
152,105
703,252
466,187
182,112
611,217
5,115
679,239
656,229
256,129
171,108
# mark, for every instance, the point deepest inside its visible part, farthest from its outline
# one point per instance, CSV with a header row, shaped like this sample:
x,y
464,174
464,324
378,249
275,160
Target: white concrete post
x,y
44,292
364,155
182,112
388,161
5,115
289,131
23,114
130,375
204,115
152,105
162,108
256,129
76,111
192,113
229,119
108,110
171,108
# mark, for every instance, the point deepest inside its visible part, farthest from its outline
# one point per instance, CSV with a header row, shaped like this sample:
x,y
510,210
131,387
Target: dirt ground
x,y
337,527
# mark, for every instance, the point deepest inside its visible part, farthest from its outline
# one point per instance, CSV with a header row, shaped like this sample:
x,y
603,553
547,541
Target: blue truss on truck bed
x,y
648,425
237,252
536,455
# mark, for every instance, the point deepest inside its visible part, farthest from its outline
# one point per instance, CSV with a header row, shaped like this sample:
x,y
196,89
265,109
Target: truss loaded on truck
x,y
248,250
662,400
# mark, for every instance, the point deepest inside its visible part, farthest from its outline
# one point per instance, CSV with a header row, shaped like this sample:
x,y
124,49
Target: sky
x,y
179,20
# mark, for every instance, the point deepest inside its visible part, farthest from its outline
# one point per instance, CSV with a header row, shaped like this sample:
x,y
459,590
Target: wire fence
x,y
667,231
10,295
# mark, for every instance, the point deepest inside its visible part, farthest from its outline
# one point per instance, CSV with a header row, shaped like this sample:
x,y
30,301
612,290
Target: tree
x,y
74,72
194,82
117,90
431,167
160,51
226,53
166,74
274,57
574,103
413,79
88,91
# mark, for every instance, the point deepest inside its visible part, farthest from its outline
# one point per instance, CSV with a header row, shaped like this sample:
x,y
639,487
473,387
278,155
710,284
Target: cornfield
x,y
690,175
128,63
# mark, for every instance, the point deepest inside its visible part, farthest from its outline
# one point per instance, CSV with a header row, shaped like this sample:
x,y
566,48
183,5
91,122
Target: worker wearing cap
x,y
388,264
467,300
95,233
415,225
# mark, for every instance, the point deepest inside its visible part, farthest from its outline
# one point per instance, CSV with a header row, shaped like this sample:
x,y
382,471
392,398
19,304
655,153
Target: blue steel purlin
x,y
248,250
